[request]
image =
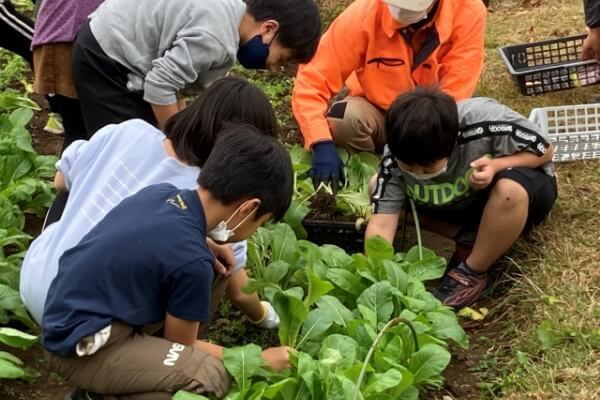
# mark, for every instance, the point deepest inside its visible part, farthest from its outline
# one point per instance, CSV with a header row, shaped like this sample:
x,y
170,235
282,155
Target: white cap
x,y
412,5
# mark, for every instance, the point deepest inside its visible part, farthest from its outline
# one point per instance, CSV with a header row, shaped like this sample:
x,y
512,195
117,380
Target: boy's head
x,y
289,32
421,129
252,172
193,131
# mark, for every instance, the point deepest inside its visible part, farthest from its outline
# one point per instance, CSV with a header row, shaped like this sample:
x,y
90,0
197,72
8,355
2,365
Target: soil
x,y
46,386
461,378
322,207
43,142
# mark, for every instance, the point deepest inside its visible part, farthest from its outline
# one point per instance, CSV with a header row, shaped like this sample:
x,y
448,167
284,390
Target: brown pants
x,y
136,366
131,366
52,72
357,125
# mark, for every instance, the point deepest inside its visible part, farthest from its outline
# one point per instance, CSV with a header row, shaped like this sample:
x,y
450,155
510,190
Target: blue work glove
x,y
327,167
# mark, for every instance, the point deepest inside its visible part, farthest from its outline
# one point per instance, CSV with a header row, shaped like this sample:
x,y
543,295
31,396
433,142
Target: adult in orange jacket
x,y
380,49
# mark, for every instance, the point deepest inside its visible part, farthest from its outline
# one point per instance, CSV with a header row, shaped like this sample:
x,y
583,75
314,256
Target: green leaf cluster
x,y
364,325
351,200
25,187
11,367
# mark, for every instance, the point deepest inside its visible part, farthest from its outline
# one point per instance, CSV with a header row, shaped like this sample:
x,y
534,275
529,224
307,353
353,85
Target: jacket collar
x,y
443,20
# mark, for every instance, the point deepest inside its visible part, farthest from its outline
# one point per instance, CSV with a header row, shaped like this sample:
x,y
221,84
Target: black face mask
x,y
254,53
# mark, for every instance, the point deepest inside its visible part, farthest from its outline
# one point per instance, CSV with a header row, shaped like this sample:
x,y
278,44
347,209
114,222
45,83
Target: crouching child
x,y
148,262
478,171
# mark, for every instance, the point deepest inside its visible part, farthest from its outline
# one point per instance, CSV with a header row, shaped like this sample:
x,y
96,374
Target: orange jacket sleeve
x,y
463,64
340,52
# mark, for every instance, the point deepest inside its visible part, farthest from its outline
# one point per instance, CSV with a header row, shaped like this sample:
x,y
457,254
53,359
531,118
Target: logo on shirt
x,y
472,133
440,194
178,202
173,354
541,148
501,128
528,137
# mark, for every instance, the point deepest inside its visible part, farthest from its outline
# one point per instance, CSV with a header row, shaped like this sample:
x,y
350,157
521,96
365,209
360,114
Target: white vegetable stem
x,y
417,227
391,323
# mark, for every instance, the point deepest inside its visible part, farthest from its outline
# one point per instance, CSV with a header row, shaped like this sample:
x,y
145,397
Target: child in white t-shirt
x,y
121,159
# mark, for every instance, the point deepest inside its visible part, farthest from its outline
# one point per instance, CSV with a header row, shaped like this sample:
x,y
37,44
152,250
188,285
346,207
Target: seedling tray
x,y
340,233
550,65
573,130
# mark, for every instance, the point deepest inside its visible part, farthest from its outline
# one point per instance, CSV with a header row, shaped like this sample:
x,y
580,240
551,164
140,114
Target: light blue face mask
x,y
254,53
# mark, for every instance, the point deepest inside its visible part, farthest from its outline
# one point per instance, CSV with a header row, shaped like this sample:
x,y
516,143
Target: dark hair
x,y
244,165
422,126
299,24
193,131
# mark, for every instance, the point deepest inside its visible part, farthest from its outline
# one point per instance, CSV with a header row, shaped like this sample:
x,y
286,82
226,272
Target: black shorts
x,y
540,187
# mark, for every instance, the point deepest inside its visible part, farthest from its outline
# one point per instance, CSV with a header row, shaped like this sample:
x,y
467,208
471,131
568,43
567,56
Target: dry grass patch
x,y
550,345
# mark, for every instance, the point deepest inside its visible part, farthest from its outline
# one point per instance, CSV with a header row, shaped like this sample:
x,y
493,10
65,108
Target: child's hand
x,y
278,357
224,257
483,172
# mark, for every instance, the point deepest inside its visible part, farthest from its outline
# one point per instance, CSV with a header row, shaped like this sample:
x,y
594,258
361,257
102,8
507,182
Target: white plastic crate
x,y
573,130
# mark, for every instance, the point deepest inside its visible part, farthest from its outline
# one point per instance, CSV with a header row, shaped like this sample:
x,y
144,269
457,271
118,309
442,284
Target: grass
x,y
549,346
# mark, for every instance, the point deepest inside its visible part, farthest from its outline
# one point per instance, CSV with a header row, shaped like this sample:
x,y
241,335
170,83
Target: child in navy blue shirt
x,y
147,262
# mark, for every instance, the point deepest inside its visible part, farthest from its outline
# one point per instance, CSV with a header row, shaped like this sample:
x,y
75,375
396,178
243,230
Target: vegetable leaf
x,y
242,363
428,363
292,313
379,299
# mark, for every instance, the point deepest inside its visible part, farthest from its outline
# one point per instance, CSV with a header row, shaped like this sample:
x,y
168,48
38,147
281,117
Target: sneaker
x,y
54,124
462,251
461,286
80,394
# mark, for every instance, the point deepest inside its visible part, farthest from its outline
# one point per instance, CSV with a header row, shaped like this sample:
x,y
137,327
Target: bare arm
x,y
249,304
523,159
59,182
485,168
180,331
185,332
163,113
384,225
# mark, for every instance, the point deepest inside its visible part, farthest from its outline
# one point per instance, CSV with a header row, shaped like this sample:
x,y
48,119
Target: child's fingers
x,y
477,177
480,162
219,268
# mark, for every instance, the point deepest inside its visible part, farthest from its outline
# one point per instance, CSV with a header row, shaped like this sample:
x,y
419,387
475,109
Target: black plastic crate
x,y
345,234
550,65
340,233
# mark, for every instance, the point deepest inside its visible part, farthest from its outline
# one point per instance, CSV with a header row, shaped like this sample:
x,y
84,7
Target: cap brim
x,y
412,5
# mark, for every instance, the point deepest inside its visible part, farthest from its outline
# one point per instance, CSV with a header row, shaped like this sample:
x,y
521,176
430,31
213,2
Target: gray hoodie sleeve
x,y
191,54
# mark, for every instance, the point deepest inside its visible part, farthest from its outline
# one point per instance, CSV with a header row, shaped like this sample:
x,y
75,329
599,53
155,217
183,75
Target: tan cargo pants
x,y
136,366
139,366
357,125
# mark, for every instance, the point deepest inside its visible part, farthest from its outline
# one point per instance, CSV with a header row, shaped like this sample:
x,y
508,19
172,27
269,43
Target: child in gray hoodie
x,y
136,58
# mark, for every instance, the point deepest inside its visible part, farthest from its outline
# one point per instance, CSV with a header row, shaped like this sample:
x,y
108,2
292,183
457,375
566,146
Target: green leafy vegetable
x,y
242,363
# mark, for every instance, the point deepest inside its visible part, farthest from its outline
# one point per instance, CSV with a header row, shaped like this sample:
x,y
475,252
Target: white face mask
x,y
220,233
424,177
406,17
